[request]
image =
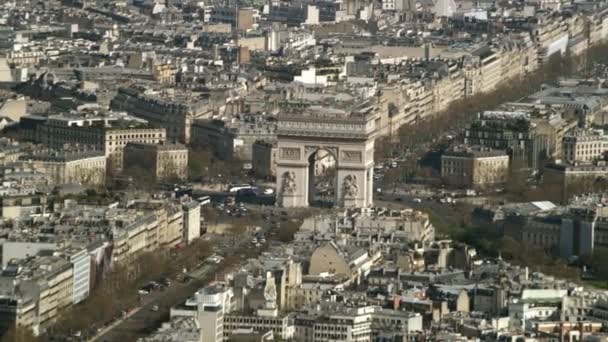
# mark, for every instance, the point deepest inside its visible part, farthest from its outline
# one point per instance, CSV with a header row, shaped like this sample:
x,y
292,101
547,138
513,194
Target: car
x,y
154,308
417,200
398,199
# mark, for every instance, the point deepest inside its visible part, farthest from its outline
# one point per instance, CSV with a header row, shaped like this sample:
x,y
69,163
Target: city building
x,y
175,112
584,145
263,159
474,167
107,133
164,161
215,135
87,168
512,132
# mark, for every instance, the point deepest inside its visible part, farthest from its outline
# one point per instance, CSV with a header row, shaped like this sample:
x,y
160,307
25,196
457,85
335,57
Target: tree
x,y
19,334
599,264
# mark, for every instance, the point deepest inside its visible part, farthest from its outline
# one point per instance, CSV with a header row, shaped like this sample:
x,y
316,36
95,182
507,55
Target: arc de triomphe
x,y
349,138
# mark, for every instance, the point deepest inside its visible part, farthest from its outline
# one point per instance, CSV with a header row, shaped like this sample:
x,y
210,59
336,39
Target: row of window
x,y
136,136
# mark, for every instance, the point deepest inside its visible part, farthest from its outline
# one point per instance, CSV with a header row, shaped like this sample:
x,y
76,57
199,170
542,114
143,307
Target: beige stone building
x,y
25,58
476,167
109,134
568,178
164,73
86,168
117,139
157,225
173,110
164,161
582,145
48,280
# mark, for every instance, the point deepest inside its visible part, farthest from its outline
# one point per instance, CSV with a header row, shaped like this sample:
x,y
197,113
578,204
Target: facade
x,y
215,135
81,266
584,146
164,161
567,178
14,207
357,324
574,229
168,112
117,139
164,73
109,134
214,304
157,225
281,326
83,168
475,167
192,221
45,281
511,132
263,159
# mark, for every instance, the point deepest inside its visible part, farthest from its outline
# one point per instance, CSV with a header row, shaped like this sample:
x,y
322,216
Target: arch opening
x,y
322,179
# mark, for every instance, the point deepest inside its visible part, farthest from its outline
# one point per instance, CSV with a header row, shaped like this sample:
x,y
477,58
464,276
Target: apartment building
x,y
337,322
108,133
192,220
570,178
25,58
16,310
482,71
137,237
164,73
574,229
175,112
87,168
474,167
584,145
170,221
48,281
21,205
281,326
214,303
163,161
550,33
511,132
214,134
116,139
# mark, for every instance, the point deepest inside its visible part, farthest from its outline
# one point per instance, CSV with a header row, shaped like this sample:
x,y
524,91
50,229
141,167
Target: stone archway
x,y
350,140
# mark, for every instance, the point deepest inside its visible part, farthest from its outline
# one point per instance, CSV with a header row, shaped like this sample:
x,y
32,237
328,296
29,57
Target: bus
x,y
249,191
204,200
236,188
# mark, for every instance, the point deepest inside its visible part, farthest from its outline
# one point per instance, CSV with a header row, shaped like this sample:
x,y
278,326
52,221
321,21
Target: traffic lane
x,y
145,317
145,321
